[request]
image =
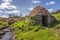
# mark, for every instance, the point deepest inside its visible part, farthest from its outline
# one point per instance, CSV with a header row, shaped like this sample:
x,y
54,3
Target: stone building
x,y
41,16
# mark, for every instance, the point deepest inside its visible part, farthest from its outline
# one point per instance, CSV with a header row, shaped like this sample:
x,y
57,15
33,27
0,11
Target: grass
x,y
26,31
3,25
36,32
42,34
57,17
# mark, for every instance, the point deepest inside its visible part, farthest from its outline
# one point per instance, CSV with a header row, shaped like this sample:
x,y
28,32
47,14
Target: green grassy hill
x,y
57,17
26,31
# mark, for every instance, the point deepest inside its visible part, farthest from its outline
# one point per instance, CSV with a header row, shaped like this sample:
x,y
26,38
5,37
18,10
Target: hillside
x,y
57,17
28,31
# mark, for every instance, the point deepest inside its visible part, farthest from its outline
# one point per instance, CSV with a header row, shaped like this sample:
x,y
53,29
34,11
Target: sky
x,y
26,6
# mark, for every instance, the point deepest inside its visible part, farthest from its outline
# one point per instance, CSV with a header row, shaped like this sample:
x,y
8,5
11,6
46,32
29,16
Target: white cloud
x,y
7,5
1,11
7,0
31,8
50,3
4,16
35,1
50,10
14,11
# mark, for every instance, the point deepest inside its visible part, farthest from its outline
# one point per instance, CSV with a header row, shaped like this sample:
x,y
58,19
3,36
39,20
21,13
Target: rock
x,y
2,33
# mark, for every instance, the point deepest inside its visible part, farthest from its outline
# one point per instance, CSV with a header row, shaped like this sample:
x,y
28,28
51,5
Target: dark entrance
x,y
44,20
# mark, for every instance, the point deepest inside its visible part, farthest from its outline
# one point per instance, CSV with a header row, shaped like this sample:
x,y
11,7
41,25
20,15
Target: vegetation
x,y
57,17
42,34
28,30
3,25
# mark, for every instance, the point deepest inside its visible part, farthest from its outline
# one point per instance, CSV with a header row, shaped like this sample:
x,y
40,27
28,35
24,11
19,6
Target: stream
x,y
8,34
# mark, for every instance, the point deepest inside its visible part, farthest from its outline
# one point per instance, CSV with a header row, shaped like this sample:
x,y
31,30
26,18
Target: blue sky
x,y
25,6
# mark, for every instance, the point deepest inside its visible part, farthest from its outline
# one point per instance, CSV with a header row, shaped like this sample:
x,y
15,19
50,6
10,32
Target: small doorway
x,y
44,20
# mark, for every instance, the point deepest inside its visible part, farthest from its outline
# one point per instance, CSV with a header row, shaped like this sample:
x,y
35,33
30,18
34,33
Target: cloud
x,y
1,11
14,11
35,1
7,0
4,16
50,3
31,8
7,5
50,10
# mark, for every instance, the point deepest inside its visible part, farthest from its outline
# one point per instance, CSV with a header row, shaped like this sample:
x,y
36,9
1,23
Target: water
x,y
8,34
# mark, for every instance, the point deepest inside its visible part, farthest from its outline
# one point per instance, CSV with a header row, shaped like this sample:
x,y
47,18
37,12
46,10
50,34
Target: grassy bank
x,y
3,25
